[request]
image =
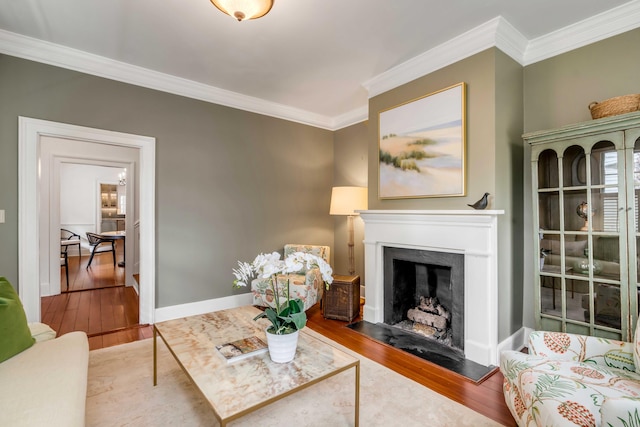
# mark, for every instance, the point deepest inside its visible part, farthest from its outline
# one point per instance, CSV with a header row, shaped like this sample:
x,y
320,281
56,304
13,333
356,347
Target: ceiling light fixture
x,y
243,10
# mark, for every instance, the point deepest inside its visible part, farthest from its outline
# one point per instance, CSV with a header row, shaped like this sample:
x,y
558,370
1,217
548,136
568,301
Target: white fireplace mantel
x,y
473,233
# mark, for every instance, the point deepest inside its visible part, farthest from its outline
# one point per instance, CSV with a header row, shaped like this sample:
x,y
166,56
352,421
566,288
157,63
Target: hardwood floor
x,y
97,303
486,398
109,316
101,274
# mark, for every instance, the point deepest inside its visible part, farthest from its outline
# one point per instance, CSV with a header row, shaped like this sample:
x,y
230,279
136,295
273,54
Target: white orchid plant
x,y
286,315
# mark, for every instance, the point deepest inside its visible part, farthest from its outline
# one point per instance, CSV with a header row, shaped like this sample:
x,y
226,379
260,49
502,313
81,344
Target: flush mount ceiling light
x,y
244,10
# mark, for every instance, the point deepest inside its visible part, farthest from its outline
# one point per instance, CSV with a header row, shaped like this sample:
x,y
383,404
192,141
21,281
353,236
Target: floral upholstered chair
x,y
305,284
573,380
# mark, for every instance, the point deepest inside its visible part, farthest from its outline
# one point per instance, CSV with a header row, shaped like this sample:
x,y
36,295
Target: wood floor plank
x,y
483,398
106,307
82,317
95,342
95,312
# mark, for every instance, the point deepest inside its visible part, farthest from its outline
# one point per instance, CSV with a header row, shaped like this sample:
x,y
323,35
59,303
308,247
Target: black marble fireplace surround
x,y
411,273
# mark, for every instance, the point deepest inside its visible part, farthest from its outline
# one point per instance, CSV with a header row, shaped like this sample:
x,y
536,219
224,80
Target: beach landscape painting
x,y
422,146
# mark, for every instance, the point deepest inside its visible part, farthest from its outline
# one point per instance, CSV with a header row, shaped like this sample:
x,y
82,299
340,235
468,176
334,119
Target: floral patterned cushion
x,y
571,380
319,251
306,285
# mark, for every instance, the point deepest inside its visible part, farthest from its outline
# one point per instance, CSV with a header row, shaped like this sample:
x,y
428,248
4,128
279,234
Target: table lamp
x,y
346,201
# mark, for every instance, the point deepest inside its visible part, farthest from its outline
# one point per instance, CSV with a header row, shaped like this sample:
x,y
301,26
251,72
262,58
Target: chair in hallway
x,y
69,238
98,245
64,261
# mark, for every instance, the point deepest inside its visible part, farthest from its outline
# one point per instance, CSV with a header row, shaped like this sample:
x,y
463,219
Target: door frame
x,y
29,133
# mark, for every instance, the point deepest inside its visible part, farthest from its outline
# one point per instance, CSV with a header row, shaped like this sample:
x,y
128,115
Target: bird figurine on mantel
x,y
480,204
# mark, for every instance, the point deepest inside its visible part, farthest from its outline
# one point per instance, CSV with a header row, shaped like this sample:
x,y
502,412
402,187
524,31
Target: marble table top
x,y
234,389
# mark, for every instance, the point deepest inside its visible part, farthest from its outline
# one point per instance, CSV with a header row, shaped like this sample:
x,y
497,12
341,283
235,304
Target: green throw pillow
x,y
15,335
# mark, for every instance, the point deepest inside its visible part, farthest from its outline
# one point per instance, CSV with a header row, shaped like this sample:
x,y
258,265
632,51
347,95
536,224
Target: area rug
x,y
121,393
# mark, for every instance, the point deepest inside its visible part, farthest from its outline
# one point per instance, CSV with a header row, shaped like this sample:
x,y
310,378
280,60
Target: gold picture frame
x,y
422,146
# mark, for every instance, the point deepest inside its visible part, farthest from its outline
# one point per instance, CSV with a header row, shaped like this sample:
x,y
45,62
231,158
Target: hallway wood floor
x,y
97,303
109,315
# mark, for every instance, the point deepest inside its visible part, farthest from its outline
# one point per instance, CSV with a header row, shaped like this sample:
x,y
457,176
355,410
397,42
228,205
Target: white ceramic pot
x,y
282,348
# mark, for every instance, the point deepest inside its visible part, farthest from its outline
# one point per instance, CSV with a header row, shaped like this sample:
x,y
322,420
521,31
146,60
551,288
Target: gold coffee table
x,y
238,388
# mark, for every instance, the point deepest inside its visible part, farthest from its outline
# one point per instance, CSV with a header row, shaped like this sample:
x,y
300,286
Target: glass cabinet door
x,y
580,190
633,166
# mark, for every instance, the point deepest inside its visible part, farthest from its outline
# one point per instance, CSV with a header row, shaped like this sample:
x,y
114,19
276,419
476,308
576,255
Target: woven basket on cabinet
x,y
614,106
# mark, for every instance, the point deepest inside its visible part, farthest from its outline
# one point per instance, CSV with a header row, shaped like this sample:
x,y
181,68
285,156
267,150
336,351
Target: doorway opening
x,y
31,134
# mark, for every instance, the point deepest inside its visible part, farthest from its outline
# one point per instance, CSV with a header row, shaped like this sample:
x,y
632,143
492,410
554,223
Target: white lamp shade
x,y
244,10
347,200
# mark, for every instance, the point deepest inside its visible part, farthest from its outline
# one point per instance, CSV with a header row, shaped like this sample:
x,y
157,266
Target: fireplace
x,y
471,234
424,294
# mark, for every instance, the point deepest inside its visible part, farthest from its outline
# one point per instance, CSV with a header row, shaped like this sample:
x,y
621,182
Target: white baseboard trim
x,y
45,289
201,307
515,342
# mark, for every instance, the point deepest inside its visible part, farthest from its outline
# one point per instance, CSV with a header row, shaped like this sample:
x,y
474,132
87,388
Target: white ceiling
x,y
312,61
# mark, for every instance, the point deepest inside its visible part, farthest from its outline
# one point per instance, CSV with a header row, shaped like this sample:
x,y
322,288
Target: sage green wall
x,y
229,183
478,72
350,168
557,92
509,177
494,158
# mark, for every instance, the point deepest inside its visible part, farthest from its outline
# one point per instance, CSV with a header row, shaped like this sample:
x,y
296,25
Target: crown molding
x,y
351,118
473,41
77,60
509,40
497,32
607,24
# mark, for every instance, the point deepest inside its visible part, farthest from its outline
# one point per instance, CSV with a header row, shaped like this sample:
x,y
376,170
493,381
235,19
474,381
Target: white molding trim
x,y
30,132
607,24
351,118
497,32
77,60
516,342
473,41
201,307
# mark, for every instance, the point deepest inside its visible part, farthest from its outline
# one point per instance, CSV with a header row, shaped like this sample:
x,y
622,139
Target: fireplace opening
x,y
424,294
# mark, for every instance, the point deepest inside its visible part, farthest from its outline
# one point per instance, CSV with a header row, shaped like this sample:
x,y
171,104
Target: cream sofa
x,y
46,384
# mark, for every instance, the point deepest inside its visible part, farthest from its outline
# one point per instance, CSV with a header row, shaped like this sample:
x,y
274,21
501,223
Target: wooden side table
x,y
342,300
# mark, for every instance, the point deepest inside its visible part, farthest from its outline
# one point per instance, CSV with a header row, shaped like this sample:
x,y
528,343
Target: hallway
x,y
97,303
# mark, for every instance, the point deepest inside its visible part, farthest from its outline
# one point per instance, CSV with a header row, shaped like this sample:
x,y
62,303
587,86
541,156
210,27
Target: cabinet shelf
x,y
586,222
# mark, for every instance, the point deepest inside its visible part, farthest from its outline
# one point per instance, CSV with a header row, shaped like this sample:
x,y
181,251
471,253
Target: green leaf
x,y
553,387
300,319
633,420
296,306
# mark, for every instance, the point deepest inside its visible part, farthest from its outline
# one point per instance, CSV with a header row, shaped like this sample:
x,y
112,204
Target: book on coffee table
x,y
241,349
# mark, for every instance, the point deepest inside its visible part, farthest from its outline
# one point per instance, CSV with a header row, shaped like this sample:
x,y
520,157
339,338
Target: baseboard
x,y
201,307
516,341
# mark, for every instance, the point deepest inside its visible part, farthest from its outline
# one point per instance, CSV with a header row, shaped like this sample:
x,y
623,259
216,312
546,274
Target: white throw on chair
x,y
98,245
69,238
